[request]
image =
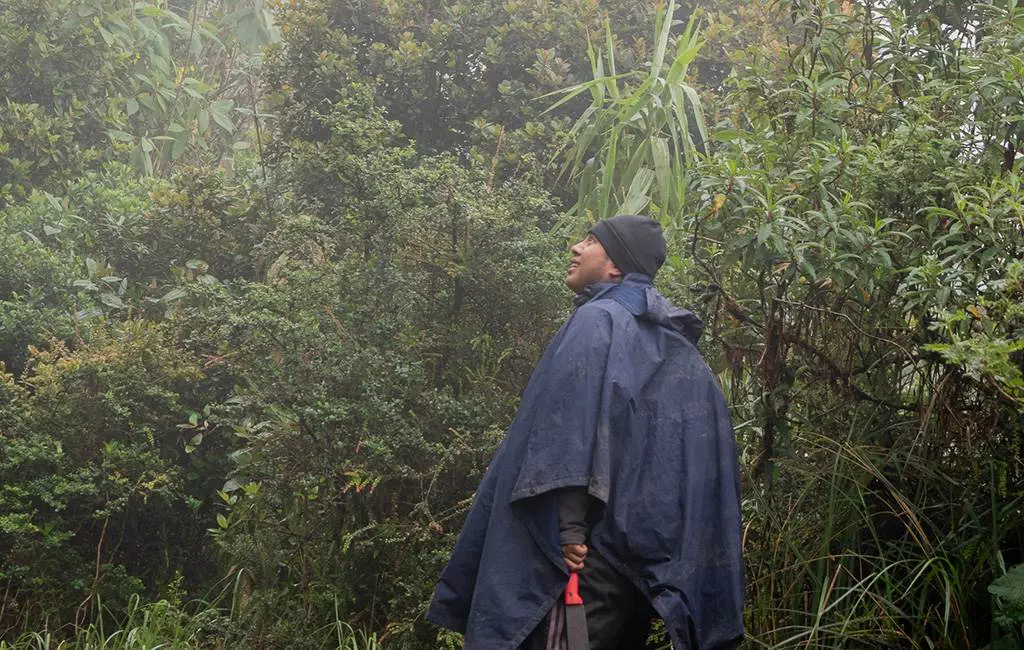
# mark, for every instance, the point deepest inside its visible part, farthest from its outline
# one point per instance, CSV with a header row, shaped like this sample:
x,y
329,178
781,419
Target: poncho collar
x,y
637,294
631,292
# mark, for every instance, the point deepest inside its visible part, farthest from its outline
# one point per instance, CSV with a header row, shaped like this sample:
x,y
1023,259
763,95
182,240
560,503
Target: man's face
x,y
590,264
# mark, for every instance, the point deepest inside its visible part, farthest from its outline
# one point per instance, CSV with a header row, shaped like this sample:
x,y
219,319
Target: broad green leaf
x,y
610,80
174,294
638,195
608,176
689,46
120,136
147,162
727,135
151,11
222,120
698,113
54,202
1010,585
178,148
663,171
110,299
662,30
597,70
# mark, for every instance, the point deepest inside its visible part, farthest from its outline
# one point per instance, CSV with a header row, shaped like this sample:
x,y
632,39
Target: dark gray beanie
x,y
634,243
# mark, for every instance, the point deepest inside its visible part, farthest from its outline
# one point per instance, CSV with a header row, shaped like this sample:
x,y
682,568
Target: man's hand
x,y
573,554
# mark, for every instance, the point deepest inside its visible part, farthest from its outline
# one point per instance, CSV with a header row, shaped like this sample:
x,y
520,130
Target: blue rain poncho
x,y
621,403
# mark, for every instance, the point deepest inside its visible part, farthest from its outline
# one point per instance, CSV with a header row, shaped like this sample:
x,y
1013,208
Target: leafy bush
x,y
95,478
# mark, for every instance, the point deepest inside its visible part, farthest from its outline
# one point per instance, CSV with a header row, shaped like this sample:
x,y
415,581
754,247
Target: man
x,y
620,464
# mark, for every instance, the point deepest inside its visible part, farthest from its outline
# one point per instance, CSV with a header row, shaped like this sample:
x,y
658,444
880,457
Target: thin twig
x,y
96,574
259,144
825,310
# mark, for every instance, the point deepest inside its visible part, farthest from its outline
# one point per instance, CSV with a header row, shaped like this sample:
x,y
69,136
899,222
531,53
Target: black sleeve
x,y
572,515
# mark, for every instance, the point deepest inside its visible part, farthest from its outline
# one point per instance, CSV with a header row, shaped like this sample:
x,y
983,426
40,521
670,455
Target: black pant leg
x,y
638,625
618,614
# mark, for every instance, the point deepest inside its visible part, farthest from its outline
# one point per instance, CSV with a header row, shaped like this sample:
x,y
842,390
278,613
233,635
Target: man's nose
x,y
576,248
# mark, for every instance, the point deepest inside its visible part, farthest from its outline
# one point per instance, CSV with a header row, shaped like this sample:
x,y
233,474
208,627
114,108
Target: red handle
x,y
572,590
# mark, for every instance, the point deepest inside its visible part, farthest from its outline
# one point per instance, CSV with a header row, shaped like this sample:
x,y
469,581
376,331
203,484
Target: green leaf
x,y
1010,586
178,147
222,120
151,11
698,113
663,27
613,87
110,299
120,136
638,195
663,171
569,93
726,135
53,201
141,158
174,294
607,177
689,46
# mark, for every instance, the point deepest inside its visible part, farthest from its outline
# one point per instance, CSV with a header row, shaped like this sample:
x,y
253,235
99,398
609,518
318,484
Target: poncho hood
x,y
622,404
662,312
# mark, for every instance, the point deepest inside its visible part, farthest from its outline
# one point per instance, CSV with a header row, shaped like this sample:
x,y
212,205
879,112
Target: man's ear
x,y
613,272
